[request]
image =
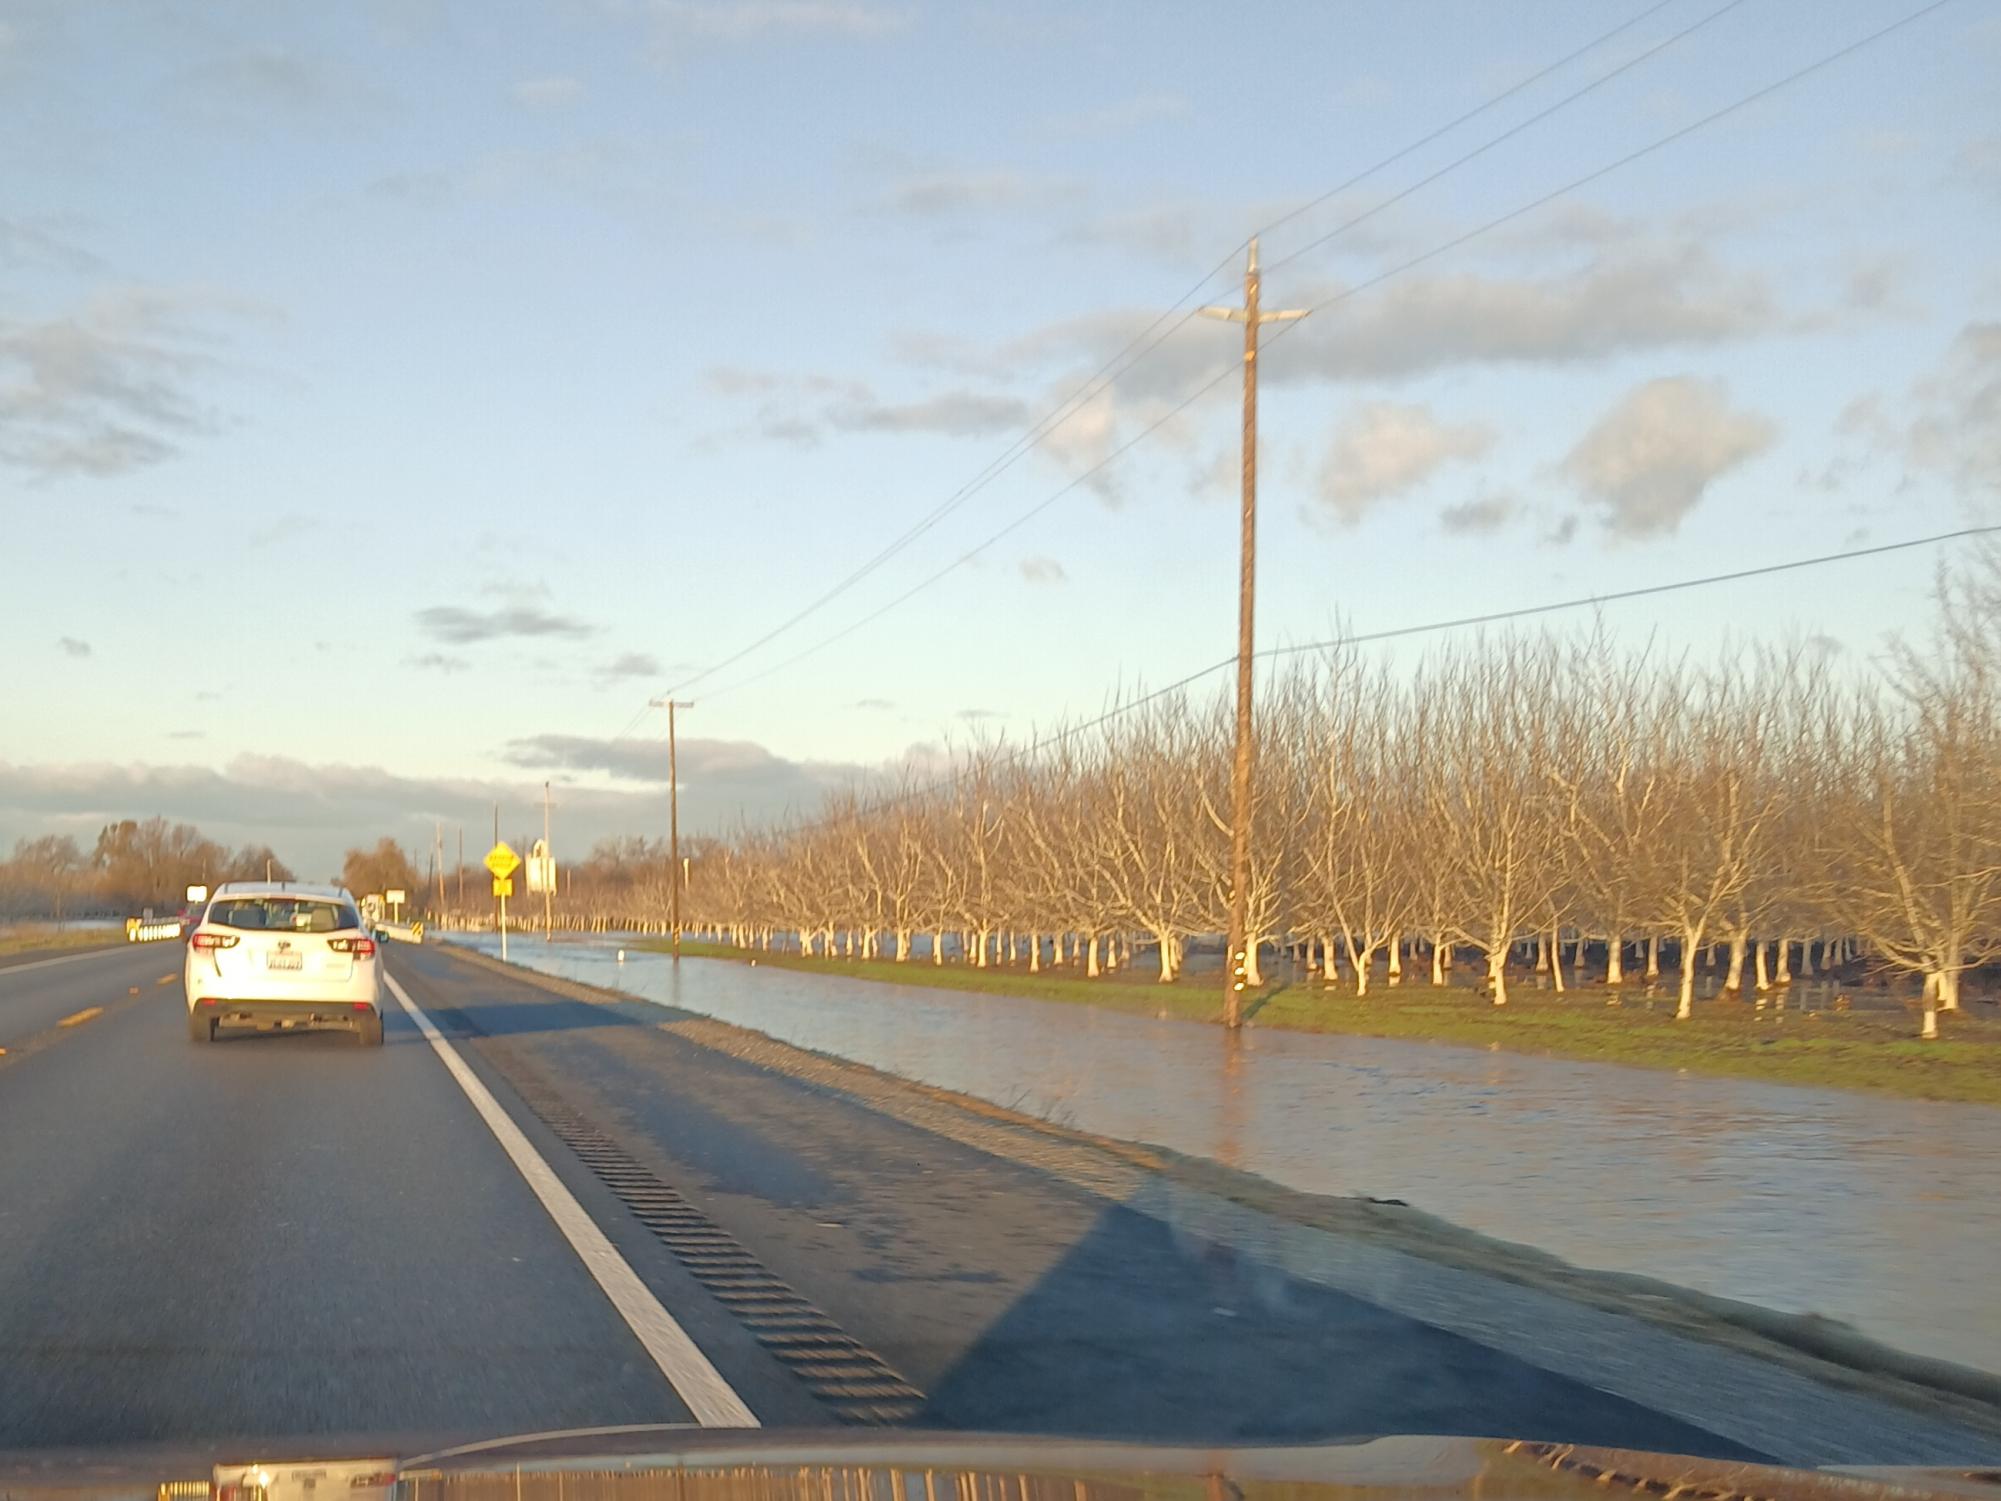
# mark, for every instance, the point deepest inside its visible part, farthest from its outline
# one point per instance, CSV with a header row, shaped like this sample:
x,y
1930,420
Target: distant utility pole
x,y
462,867
1253,318
548,871
676,873
438,860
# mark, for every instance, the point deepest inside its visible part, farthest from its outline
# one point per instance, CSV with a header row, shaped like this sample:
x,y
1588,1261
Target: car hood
x,y
672,1463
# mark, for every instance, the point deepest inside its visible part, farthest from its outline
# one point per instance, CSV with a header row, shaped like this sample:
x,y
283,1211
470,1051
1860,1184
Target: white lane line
x,y
22,969
711,1399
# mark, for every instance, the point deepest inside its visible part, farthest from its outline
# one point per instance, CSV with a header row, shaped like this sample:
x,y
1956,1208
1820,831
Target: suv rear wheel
x,y
200,1028
371,1030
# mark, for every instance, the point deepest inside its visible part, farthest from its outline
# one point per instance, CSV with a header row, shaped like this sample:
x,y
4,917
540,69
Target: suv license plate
x,y
284,961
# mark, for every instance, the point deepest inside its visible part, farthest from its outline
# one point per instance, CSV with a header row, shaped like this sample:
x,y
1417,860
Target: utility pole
x,y
548,872
438,859
1238,969
676,873
462,867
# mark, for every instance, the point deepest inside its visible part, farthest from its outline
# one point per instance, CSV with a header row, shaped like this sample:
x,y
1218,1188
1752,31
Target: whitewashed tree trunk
x,y
1734,980
1164,942
1785,971
1806,958
1764,980
1542,953
937,945
1691,941
1091,962
1396,960
1330,969
1948,989
1440,962
1556,959
1653,956
1615,959
1035,953
903,945
1497,973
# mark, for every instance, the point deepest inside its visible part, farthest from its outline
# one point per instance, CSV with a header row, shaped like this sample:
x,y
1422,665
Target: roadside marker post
x,y
502,862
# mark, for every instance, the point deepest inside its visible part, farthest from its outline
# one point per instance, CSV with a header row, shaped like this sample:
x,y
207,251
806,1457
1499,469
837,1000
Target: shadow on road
x,y
1141,1330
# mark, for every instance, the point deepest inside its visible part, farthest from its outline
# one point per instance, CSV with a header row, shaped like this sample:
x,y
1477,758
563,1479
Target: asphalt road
x,y
294,1239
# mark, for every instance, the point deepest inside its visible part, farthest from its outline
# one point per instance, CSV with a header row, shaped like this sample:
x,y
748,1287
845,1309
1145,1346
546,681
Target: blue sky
x,y
394,395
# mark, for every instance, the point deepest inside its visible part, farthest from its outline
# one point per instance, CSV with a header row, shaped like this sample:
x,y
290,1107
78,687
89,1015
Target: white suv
x,y
281,955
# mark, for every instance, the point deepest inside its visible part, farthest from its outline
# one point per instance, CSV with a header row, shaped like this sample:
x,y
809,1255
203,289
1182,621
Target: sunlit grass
x,y
30,939
1866,1050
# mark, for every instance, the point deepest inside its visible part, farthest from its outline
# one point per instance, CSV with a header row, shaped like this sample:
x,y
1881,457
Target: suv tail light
x,y
361,948
204,942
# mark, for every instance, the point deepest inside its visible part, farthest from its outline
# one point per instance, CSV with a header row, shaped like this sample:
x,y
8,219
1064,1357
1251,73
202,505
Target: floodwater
x,y
1880,1212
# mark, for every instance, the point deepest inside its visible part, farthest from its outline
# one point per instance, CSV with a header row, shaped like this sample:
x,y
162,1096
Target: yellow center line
x,y
89,1013
166,979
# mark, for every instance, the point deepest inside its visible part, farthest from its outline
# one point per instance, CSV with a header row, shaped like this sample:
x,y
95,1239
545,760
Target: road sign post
x,y
503,862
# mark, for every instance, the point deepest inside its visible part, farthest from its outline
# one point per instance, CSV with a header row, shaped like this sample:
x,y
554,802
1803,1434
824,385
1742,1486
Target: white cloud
x,y
72,647
1958,427
556,91
457,626
1043,570
1478,517
1386,449
939,195
760,20
1647,462
108,387
1118,118
1630,299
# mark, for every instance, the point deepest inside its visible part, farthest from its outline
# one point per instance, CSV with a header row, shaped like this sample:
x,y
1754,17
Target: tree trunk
x,y
1396,960
1164,941
1439,962
1653,956
1615,959
1806,958
1934,983
937,945
1497,973
1763,971
1091,962
1330,969
1556,958
1785,974
1542,953
1035,953
981,937
1363,962
902,945
1252,974
1690,942
1734,981
1948,989
1112,954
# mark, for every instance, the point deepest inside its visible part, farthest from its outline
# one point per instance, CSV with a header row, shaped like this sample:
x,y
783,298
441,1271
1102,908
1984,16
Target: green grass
x,y
28,940
1862,1050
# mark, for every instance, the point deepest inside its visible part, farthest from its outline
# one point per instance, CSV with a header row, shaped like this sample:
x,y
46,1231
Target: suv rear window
x,y
285,914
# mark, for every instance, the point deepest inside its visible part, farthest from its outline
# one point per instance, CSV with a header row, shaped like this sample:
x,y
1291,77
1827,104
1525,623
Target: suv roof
x,y
280,888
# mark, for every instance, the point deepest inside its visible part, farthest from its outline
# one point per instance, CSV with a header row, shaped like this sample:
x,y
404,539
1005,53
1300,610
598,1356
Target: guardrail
x,y
151,930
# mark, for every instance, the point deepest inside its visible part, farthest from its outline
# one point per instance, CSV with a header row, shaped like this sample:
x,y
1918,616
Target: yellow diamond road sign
x,y
503,886
502,861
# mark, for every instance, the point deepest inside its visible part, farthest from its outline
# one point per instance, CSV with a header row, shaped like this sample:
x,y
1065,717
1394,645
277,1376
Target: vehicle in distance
x,y
281,956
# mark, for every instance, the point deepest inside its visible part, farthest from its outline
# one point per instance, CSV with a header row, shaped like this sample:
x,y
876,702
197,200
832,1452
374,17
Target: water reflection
x,y
1877,1211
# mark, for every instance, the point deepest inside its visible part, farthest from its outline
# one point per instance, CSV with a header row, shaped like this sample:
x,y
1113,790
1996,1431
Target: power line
x,y
1166,323
1430,627
1397,270
1507,135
